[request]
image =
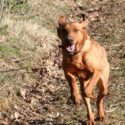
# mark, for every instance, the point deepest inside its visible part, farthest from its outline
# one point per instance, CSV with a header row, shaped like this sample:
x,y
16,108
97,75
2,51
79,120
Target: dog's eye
x,y
75,30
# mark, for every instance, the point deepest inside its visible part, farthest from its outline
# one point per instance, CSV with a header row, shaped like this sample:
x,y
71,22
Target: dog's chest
x,y
77,62
78,65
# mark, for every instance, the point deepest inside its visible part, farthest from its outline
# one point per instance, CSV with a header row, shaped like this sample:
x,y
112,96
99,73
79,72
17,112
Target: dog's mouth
x,y
70,48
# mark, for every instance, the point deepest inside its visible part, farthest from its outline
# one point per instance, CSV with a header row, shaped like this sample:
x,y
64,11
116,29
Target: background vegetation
x,y
33,90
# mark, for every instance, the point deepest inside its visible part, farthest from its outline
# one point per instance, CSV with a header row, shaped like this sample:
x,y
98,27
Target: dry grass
x,y
32,85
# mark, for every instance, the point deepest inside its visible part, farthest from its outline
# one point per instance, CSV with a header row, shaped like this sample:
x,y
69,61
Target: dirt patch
x,y
32,84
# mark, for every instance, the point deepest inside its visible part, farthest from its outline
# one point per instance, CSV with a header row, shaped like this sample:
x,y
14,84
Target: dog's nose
x,y
70,40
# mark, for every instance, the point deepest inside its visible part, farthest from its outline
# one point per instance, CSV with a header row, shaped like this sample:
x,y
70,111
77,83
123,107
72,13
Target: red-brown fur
x,y
85,59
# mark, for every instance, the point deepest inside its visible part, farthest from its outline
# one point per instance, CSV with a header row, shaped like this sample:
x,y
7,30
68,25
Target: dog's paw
x,y
100,118
93,97
77,100
90,122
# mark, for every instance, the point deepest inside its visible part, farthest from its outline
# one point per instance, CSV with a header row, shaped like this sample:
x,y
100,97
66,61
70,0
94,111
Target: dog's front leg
x,y
95,78
73,87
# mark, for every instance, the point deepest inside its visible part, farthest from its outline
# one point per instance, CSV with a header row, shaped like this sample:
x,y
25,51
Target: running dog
x,y
86,60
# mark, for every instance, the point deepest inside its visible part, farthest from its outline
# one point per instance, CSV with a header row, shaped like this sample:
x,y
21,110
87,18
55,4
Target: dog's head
x,y
72,34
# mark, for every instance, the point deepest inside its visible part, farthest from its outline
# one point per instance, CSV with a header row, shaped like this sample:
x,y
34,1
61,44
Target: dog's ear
x,y
61,21
84,22
83,17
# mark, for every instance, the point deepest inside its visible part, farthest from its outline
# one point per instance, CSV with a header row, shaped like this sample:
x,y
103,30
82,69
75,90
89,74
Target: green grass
x,y
5,49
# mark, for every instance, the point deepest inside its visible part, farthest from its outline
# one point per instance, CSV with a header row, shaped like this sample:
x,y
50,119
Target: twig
x,y
3,86
111,110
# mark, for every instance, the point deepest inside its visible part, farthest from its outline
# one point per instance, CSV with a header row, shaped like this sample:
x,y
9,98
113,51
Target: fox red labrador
x,y
84,59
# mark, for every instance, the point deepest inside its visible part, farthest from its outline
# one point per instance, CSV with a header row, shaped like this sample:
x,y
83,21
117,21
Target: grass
x,y
21,9
4,30
8,50
16,6
29,60
65,9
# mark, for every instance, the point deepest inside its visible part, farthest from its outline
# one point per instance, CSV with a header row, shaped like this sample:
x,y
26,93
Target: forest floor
x,y
33,90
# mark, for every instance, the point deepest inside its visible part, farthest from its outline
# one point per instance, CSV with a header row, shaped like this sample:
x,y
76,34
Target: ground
x,y
33,90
